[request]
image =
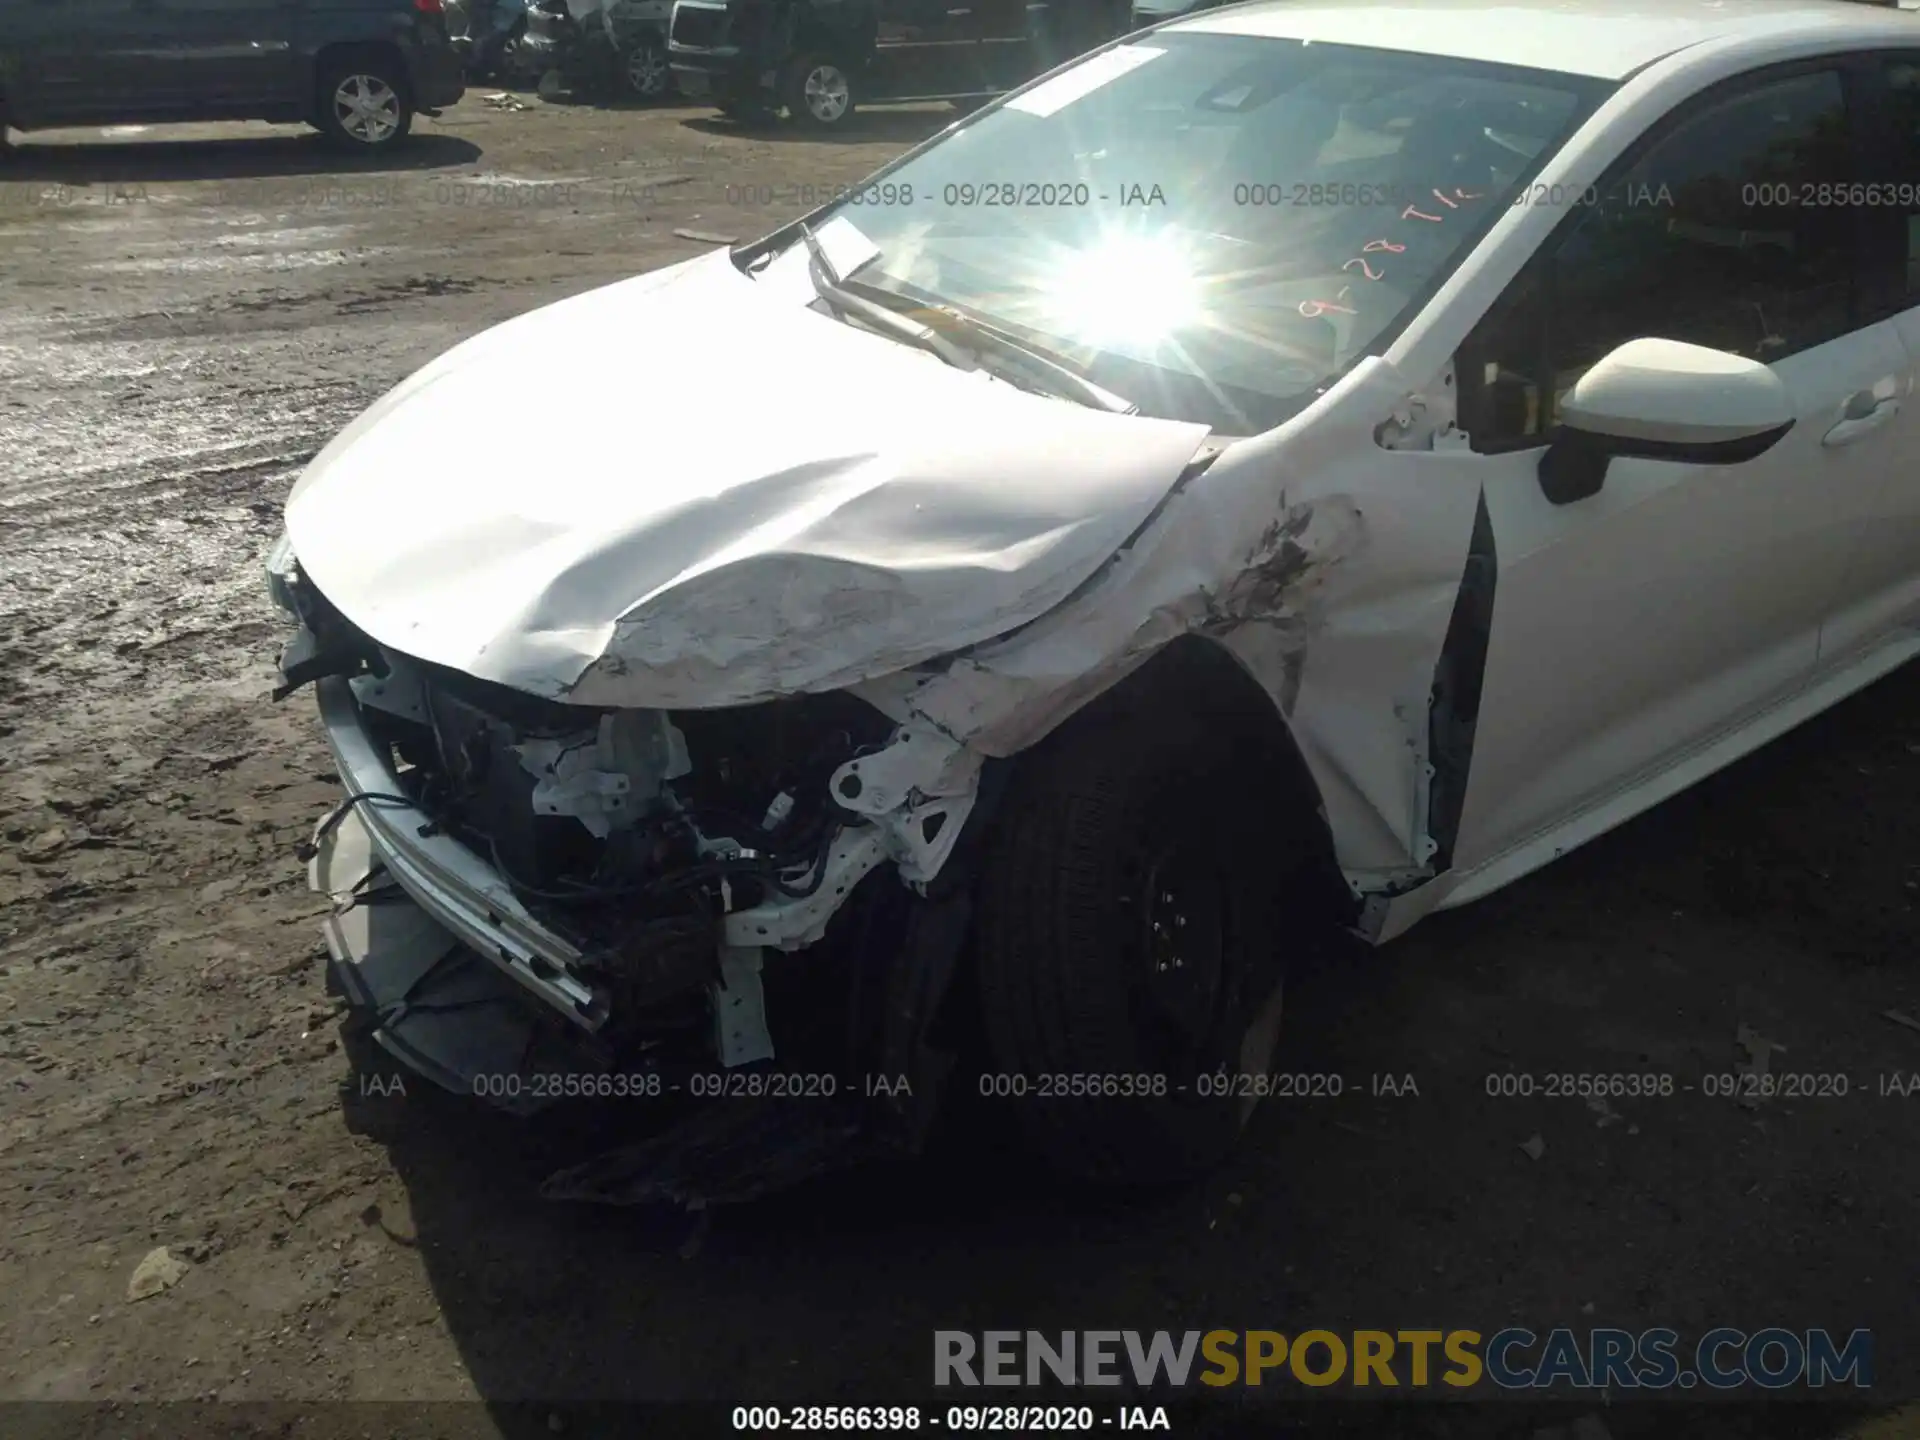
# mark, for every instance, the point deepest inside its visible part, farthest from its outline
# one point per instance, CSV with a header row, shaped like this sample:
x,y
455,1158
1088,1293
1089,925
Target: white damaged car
x,y
1304,465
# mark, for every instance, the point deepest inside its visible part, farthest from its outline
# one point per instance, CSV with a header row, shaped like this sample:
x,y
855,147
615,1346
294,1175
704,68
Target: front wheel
x,y
1130,945
364,105
819,93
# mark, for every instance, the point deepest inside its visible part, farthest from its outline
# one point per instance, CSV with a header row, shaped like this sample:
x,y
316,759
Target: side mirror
x,y
1663,400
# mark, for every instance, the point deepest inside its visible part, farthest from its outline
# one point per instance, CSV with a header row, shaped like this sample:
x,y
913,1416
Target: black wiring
x,y
307,849
674,880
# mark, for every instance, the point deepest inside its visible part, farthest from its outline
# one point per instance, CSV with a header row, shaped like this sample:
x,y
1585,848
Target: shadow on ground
x,y
241,157
904,127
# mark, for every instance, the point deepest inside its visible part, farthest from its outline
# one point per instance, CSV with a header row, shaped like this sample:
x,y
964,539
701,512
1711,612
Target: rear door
x,y
1006,29
227,56
928,47
82,61
1880,609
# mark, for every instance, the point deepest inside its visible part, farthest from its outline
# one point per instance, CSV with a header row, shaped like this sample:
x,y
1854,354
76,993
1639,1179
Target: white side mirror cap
x,y
1670,393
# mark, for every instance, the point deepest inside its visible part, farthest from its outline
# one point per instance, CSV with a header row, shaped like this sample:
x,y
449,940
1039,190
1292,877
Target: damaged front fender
x,y
1326,562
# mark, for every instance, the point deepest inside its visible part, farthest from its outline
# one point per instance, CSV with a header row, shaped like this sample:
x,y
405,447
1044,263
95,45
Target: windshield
x,y
1213,226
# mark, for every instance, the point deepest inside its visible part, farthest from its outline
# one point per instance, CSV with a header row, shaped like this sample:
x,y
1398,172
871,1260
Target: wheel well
x,y
1196,675
391,57
1191,675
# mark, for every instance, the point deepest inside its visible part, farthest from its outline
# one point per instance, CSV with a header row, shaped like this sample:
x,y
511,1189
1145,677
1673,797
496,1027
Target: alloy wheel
x,y
367,108
826,93
647,71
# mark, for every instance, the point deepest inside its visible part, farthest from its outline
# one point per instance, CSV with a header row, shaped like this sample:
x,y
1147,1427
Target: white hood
x,y
689,489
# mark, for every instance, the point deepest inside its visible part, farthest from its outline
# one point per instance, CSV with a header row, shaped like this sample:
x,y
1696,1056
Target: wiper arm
x,y
848,300
1062,378
826,284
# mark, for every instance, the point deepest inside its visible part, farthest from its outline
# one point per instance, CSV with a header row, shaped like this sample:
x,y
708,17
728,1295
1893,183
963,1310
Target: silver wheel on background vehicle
x,y
646,71
367,108
825,92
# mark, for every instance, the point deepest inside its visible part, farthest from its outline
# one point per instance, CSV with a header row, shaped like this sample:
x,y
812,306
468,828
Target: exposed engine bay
x,y
668,854
632,831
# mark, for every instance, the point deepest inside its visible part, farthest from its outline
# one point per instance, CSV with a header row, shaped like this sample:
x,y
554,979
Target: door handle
x,y
1858,427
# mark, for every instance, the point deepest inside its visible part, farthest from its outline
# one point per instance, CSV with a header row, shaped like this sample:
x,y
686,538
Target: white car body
x,y
877,512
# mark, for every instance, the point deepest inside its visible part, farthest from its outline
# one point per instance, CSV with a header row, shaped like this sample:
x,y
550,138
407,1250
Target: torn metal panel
x,y
1327,564
881,510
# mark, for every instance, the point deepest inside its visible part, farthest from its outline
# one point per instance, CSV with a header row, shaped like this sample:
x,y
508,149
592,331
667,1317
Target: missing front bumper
x,y
447,881
431,1001
436,1006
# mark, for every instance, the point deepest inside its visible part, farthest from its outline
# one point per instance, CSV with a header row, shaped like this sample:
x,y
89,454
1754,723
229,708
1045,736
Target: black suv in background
x,y
823,58
358,70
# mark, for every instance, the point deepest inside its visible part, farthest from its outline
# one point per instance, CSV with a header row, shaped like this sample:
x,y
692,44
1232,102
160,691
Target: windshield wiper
x,y
873,306
1060,378
1054,376
827,285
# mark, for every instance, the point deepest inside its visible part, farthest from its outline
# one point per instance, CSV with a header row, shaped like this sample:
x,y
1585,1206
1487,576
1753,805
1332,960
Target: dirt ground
x,y
188,317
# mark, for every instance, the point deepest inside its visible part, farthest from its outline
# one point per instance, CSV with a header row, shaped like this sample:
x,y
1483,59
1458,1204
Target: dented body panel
x,y
773,662
878,508
1326,564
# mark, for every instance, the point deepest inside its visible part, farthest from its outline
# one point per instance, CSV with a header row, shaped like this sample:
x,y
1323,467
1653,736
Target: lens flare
x,y
1128,290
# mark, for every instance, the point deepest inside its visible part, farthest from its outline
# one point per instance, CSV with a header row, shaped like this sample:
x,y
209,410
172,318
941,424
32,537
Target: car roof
x,y
1602,39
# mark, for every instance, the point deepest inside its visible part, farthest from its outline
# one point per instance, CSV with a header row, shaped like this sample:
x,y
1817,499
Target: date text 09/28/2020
x,y
1746,1085
955,1419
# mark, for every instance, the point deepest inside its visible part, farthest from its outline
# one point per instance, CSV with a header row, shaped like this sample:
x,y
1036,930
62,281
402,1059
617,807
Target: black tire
x,y
380,83
808,87
1077,972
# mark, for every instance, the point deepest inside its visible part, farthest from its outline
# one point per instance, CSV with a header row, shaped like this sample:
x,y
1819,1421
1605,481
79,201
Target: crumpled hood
x,y
689,489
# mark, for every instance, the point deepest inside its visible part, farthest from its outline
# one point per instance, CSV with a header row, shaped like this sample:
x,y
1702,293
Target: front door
x,y
82,61
1632,628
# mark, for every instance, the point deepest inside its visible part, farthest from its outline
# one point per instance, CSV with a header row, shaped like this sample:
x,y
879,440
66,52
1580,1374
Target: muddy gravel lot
x,y
189,316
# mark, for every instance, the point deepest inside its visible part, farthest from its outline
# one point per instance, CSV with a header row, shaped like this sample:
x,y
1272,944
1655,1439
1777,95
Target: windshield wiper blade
x,y
1062,378
826,284
854,297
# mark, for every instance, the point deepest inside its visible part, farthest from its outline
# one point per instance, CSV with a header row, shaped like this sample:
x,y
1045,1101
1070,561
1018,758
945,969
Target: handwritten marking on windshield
x,y
1314,309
